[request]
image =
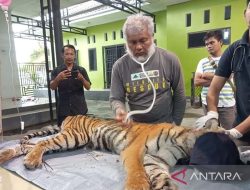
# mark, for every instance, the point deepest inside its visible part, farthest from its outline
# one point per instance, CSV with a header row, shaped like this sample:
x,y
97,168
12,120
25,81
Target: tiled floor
x,y
102,109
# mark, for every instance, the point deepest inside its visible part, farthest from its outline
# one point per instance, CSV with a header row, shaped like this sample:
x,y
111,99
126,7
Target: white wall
x,y
9,80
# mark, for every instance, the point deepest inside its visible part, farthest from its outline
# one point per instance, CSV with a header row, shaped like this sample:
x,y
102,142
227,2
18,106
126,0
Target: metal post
x,y
46,58
57,30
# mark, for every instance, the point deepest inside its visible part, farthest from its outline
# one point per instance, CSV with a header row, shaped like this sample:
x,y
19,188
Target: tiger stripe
x,y
153,147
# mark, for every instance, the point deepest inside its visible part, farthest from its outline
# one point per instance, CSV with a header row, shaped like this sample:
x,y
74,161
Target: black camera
x,y
74,73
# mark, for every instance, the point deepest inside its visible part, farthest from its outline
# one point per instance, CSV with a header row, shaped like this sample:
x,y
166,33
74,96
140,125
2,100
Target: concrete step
x,y
32,115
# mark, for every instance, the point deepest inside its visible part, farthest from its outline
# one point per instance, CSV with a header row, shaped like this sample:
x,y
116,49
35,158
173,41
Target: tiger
x,y
147,150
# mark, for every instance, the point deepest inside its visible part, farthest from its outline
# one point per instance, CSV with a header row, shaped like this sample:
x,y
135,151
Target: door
x,y
112,53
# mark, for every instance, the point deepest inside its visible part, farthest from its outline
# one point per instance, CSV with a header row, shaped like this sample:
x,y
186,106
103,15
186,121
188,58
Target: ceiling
x,y
31,9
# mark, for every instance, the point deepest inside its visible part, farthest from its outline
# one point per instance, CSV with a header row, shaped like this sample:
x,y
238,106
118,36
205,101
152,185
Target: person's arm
x,y
117,94
202,79
208,76
244,126
179,98
212,101
84,78
86,83
214,91
57,79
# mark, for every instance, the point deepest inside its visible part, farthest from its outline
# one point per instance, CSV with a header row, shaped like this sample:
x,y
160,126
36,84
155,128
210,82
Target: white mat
x,y
94,170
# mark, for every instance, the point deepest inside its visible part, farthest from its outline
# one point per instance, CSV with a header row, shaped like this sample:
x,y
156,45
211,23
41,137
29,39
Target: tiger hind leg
x,y
62,141
9,153
158,173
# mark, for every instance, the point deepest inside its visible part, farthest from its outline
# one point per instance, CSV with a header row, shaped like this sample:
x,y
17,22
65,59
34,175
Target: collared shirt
x,y
71,99
236,59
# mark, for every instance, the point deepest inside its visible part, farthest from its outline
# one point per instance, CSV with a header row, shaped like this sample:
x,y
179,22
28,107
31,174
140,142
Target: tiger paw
x,y
33,160
162,181
6,155
164,184
137,181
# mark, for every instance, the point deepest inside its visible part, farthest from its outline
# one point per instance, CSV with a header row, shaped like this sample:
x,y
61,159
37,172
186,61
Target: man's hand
x,y
233,133
63,75
201,122
80,77
120,114
245,156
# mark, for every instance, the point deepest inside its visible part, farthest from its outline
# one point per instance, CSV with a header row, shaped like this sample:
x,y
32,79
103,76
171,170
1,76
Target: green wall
x,y
161,28
99,32
171,33
177,32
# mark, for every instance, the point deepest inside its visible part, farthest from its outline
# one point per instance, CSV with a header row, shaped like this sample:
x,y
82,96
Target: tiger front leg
x,y
133,163
34,158
158,173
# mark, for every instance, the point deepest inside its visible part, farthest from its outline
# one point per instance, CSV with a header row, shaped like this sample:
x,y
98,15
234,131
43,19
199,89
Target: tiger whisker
x,y
91,154
46,164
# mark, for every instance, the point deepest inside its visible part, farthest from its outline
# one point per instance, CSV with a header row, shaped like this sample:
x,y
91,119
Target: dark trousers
x,y
60,120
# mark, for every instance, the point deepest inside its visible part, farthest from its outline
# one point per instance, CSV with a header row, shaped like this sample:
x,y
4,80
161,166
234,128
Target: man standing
x,y
234,60
129,82
70,80
204,75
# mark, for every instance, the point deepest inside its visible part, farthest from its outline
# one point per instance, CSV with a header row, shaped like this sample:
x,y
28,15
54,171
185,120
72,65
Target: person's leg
x,y
227,116
60,120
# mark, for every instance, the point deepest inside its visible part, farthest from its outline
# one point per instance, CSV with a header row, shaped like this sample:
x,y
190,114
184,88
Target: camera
x,y
74,73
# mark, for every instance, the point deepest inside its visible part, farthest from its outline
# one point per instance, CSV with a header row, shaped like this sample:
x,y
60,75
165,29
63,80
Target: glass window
x,y
92,60
227,13
196,39
188,19
206,16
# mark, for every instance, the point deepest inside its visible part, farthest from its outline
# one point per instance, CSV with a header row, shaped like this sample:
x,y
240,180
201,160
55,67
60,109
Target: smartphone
x,y
74,73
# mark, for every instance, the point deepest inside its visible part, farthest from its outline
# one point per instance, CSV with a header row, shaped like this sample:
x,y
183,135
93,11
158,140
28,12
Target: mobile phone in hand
x,y
74,73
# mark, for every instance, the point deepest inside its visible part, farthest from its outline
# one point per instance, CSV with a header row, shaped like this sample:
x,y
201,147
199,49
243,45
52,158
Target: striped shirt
x,y
226,97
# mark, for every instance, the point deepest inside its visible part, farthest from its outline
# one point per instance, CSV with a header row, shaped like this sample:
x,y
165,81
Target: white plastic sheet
x,y
95,170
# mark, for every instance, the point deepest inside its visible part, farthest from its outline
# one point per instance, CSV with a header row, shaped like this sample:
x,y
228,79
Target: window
x,y
105,36
75,42
196,39
88,40
93,38
114,35
206,16
227,13
92,60
188,19
68,42
226,32
121,34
